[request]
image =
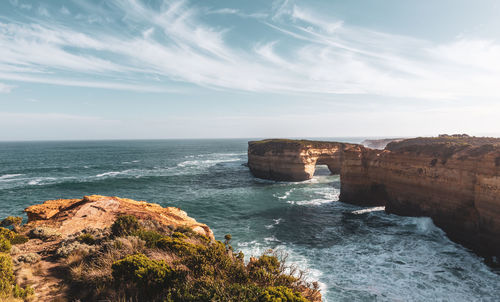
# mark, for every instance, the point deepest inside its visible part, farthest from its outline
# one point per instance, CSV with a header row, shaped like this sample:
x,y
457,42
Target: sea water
x,y
356,254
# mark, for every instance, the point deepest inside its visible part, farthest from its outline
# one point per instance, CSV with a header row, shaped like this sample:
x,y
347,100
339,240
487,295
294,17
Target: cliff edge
x,y
454,179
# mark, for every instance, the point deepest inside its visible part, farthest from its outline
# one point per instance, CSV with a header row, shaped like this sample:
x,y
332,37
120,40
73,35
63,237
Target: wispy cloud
x,y
174,43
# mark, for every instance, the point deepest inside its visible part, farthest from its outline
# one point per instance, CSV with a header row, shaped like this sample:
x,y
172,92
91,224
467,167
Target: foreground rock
x,y
69,216
455,180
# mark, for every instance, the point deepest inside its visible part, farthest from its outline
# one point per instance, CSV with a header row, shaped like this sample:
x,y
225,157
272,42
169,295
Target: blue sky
x,y
218,69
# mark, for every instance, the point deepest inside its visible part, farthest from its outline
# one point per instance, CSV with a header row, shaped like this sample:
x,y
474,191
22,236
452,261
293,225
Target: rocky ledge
x,y
101,248
69,216
454,179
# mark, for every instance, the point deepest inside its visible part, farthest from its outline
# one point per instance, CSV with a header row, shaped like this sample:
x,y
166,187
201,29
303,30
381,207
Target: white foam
x,y
374,209
311,202
287,193
112,173
8,176
276,222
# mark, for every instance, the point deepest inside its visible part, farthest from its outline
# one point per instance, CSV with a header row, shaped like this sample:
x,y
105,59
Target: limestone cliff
x,y
455,180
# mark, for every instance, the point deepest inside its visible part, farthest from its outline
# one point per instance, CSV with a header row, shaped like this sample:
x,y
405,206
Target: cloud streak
x,y
308,53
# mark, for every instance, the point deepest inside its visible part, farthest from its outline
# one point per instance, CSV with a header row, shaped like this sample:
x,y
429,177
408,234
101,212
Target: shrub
x,y
19,239
22,293
44,233
125,225
148,276
30,258
179,235
67,248
4,245
11,220
176,246
86,239
6,233
6,275
150,237
281,294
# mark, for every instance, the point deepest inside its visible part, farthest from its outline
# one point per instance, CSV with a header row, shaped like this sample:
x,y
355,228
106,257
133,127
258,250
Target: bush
x,y
149,277
22,293
125,225
6,233
68,248
11,220
150,237
6,275
176,246
4,245
44,233
30,258
86,239
19,239
281,294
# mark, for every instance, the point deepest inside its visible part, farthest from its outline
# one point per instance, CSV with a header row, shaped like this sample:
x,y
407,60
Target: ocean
x,y
357,254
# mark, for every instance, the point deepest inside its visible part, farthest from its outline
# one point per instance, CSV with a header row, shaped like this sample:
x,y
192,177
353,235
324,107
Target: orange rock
x,y
73,215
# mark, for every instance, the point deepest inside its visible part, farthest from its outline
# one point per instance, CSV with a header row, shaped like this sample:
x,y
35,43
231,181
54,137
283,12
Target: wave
x,y
287,193
9,176
276,222
311,202
112,173
205,163
374,209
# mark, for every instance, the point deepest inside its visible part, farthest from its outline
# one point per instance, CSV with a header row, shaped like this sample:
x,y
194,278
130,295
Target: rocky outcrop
x,y
70,216
455,180
293,160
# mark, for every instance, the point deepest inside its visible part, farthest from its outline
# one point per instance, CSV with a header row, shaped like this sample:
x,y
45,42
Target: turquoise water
x,y
355,256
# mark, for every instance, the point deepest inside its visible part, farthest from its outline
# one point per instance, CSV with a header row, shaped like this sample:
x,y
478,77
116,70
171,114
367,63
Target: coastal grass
x,y
137,263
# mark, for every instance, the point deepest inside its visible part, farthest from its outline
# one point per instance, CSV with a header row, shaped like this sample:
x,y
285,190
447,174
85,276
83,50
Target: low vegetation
x,y
138,260
137,263
9,290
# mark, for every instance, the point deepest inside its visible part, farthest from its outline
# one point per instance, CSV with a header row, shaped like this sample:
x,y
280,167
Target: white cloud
x,y
326,57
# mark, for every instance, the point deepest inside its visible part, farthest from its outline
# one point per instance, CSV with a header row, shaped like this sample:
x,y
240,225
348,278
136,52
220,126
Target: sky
x,y
137,69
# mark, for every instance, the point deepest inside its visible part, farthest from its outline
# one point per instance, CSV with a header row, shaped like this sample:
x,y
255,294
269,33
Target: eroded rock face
x,y
455,180
293,160
70,216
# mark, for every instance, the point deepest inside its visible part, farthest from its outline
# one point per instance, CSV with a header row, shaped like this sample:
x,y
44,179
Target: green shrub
x,y
11,220
176,246
150,237
185,230
179,235
4,245
149,277
125,225
6,275
19,239
22,293
86,239
6,233
281,294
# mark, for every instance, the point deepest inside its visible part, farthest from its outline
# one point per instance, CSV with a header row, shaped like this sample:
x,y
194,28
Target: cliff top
x,y
277,145
447,145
